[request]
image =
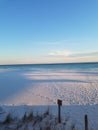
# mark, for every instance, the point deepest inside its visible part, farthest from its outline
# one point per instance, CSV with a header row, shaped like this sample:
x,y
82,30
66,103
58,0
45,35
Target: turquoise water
x,y
63,66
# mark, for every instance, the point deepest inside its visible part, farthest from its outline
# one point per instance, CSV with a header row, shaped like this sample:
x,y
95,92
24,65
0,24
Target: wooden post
x,y
86,122
59,110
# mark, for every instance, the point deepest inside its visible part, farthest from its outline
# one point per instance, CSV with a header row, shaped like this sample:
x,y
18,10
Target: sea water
x,y
59,66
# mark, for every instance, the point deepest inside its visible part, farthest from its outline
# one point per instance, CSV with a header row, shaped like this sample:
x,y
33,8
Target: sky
x,y
48,31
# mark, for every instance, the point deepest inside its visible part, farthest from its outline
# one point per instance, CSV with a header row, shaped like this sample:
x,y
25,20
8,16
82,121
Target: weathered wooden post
x,y
59,110
86,122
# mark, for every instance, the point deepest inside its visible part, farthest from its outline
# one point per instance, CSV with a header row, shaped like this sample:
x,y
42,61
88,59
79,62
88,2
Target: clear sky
x,y
48,31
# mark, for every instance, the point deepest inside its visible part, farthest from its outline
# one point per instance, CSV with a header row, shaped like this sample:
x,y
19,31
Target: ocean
x,y
59,66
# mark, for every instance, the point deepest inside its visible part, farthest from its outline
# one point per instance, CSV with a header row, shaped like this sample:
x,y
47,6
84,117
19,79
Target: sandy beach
x,y
45,87
25,91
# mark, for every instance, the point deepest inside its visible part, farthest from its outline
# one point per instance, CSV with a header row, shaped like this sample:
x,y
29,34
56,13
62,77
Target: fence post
x,y
59,110
86,122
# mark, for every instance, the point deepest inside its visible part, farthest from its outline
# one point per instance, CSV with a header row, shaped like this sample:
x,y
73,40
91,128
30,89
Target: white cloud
x,y
70,54
87,54
60,53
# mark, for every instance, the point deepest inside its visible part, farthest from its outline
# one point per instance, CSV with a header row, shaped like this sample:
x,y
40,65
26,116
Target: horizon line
x,y
49,63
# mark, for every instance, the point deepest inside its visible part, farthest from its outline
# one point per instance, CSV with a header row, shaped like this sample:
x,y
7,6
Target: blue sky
x,y
48,31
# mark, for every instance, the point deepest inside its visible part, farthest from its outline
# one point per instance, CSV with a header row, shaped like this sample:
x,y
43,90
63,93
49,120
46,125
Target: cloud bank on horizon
x,y
69,56
72,54
60,53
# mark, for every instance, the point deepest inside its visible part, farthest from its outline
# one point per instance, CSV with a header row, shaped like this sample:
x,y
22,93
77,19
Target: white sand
x,y
45,87
77,89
